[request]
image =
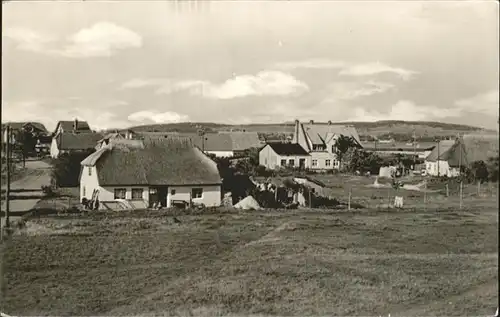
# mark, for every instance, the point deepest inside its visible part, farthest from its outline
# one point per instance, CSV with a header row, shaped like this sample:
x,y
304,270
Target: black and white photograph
x,y
249,158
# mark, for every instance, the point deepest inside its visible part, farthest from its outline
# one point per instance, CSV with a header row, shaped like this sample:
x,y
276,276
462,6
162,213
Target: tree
x,y
362,161
479,171
492,166
342,145
66,169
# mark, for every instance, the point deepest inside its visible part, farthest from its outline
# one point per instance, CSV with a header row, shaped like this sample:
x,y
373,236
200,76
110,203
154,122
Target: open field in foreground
x,y
271,263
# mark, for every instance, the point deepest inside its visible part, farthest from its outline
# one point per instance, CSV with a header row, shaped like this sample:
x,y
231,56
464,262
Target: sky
x,y
124,63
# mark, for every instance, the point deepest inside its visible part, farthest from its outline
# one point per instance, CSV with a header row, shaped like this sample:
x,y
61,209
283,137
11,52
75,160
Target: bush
x,y
48,191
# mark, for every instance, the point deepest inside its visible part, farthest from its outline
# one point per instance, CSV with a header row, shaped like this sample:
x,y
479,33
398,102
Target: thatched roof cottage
x,y
158,171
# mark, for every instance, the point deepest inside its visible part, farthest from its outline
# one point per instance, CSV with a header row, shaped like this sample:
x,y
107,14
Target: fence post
x,y
425,196
461,192
310,201
349,201
447,190
388,198
479,188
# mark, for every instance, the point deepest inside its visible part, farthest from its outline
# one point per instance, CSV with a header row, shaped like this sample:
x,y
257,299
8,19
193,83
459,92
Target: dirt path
x,y
37,175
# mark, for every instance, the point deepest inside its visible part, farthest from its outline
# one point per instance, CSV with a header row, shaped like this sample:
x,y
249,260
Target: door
x,y
302,163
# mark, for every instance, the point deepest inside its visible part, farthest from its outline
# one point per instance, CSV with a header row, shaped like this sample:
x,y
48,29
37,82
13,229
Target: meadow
x,y
273,262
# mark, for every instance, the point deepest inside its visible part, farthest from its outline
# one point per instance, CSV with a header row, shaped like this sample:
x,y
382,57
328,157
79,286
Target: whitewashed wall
x,y
211,195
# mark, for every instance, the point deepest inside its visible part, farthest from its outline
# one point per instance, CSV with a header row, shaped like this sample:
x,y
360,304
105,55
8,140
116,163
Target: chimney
x,y
75,125
329,122
311,121
296,132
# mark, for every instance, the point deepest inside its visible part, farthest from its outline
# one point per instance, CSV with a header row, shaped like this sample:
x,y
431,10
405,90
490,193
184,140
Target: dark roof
x,y
288,149
69,126
395,146
20,125
452,151
77,141
244,140
213,141
160,162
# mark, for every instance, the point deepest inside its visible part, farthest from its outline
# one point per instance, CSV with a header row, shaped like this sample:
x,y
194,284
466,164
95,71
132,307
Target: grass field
x,y
303,262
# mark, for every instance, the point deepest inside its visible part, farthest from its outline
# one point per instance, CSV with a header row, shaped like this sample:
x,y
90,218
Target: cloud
x,y
100,40
485,103
28,40
377,68
404,110
354,90
264,83
347,69
157,117
311,64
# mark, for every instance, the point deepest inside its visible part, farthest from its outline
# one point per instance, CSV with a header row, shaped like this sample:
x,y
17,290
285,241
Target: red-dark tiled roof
x,y
288,149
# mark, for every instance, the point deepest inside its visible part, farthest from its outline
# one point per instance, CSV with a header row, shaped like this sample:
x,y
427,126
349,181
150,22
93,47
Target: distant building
x,y
419,149
319,140
74,126
276,155
446,159
71,142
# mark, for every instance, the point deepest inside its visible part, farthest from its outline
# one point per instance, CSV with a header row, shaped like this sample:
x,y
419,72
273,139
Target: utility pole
x,y
439,154
7,191
460,156
414,149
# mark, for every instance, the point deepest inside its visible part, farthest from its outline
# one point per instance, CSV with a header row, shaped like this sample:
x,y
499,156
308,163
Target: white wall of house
x,y
444,169
88,182
54,150
210,197
107,193
221,153
268,158
324,161
272,160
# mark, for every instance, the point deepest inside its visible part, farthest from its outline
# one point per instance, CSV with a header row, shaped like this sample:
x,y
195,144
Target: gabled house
x,y
74,126
319,140
162,171
71,142
242,141
281,155
446,158
36,128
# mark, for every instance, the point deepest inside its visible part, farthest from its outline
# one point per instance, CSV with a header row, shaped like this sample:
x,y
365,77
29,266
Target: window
x,y
328,162
197,193
283,162
314,162
84,192
120,193
336,163
90,170
291,162
172,192
137,193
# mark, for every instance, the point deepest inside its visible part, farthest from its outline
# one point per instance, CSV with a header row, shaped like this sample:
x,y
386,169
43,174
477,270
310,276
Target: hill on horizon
x,y
374,129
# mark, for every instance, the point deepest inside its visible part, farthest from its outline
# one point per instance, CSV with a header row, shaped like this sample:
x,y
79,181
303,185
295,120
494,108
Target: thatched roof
x,y
77,141
160,162
481,147
452,151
